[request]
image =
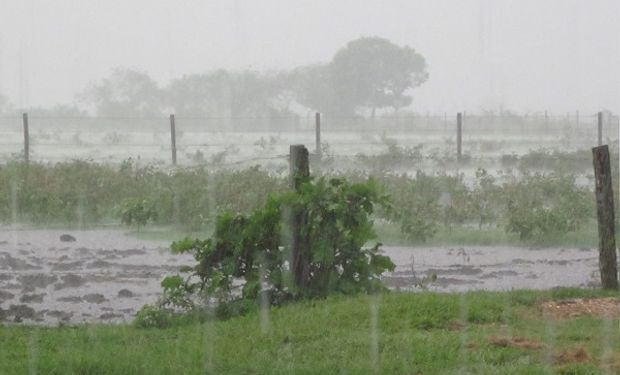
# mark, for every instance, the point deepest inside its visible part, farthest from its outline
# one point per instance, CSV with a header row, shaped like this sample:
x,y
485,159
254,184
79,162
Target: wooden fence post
x,y
317,133
459,138
606,221
173,140
299,169
26,138
299,166
600,128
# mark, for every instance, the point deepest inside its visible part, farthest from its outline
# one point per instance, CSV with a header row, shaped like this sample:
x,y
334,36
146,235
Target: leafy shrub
x,y
415,205
486,199
455,200
150,316
138,212
324,254
395,156
540,206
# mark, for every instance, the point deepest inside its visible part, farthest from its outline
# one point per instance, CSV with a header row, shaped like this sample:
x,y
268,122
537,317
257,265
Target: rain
x,y
377,187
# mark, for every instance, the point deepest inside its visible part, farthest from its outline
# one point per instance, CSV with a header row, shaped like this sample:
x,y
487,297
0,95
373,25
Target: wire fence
x,y
238,141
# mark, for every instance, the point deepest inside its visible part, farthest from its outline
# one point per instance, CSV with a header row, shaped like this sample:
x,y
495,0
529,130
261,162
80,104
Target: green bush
x,y
138,212
276,260
541,206
415,205
150,316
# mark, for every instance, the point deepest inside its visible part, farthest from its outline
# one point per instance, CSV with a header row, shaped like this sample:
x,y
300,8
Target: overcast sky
x,y
524,55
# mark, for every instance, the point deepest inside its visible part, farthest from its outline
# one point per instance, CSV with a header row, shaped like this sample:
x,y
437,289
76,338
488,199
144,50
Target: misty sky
x,y
524,55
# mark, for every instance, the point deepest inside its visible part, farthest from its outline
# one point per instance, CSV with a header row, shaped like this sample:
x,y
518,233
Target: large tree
x,y
368,73
200,94
125,92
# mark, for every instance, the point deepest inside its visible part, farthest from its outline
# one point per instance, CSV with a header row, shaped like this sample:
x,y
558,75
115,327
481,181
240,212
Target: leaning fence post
x,y
173,140
26,138
606,221
317,133
600,128
459,130
299,171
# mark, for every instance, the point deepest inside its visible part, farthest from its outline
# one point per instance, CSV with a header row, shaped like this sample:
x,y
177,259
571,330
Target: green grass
x,y
389,234
422,333
587,237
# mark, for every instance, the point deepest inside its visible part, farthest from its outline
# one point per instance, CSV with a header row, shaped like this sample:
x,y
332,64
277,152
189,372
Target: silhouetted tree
x,y
369,72
125,92
375,73
227,94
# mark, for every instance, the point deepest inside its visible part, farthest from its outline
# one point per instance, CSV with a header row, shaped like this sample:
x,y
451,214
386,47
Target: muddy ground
x,y
107,275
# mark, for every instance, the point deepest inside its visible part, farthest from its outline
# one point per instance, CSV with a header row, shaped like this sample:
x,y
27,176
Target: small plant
x,y
150,316
138,212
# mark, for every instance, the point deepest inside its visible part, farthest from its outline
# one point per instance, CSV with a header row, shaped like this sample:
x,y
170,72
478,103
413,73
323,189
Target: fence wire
x,y
239,141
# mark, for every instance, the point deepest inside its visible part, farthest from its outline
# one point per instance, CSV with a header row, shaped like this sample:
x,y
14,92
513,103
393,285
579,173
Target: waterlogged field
x,y
102,276
106,276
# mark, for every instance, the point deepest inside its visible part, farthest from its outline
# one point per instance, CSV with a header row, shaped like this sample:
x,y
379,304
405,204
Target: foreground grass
x,y
415,334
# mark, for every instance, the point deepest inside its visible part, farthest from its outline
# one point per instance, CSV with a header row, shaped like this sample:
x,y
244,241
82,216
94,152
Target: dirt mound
x,y
572,355
608,307
515,342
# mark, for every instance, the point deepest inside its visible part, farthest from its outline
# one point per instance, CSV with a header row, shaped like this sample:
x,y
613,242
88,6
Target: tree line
x,y
366,75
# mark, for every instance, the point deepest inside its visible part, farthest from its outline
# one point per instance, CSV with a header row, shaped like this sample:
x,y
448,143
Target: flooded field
x,y
105,276
102,276
498,268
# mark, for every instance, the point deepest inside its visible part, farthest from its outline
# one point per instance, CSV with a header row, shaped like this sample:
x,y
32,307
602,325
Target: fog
x,y
527,56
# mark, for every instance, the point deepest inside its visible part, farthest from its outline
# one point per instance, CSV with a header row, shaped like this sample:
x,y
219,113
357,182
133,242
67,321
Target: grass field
x,y
394,333
389,234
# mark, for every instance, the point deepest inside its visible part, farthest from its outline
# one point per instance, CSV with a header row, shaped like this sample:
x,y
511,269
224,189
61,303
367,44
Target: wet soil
x,y
498,268
107,275
102,276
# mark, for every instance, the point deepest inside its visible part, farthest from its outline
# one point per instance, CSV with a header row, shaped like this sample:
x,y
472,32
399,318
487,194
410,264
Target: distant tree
x,y
251,94
125,92
312,87
5,106
368,72
227,94
200,94
374,73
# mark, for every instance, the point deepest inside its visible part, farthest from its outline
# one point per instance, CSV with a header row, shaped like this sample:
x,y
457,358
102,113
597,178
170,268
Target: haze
x,y
527,56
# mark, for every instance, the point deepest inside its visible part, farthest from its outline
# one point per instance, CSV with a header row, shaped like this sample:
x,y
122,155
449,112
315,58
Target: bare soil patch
x,y
514,342
572,355
607,307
